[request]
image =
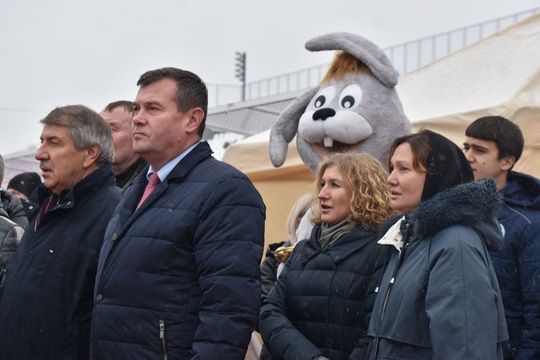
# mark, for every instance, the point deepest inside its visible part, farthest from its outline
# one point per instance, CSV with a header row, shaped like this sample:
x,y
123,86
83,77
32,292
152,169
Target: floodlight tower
x,y
241,71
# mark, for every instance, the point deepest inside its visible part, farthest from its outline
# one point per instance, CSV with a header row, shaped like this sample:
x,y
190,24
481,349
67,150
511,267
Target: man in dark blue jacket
x,y
178,274
46,300
492,146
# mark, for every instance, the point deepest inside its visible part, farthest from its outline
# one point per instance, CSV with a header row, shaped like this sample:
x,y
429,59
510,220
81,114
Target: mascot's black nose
x,y
323,114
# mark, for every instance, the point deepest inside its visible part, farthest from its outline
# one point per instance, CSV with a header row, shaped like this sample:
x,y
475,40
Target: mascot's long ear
x,y
362,49
285,127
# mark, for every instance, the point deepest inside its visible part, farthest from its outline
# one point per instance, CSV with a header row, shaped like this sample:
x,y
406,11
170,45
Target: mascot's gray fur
x,y
351,111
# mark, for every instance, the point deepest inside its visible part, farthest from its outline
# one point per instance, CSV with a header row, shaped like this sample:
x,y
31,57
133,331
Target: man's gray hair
x,y
86,128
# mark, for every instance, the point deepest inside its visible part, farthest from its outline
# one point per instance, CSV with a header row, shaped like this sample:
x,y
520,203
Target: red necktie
x,y
152,183
48,204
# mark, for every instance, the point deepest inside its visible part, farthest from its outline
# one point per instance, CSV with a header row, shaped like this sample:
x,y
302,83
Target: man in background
x,y
178,275
492,146
126,165
10,232
23,185
46,301
11,204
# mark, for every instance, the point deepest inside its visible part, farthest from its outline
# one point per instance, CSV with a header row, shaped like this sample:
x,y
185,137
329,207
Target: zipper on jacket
x,y
399,261
162,338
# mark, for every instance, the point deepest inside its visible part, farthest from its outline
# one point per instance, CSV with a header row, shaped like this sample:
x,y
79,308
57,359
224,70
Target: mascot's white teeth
x,y
328,141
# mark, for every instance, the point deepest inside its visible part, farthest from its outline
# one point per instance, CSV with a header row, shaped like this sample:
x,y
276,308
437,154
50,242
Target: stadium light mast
x,y
241,71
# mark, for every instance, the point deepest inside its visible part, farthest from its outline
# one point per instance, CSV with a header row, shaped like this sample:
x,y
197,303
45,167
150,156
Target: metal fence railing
x,y
406,57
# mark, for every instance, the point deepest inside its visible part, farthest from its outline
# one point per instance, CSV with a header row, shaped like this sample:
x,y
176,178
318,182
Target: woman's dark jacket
x,y
46,302
439,298
269,268
322,301
517,265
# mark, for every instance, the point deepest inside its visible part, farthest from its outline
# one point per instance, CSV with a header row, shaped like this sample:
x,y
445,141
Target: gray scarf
x,y
329,234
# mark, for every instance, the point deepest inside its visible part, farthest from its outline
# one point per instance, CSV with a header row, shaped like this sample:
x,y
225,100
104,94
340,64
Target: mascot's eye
x,y
347,102
350,96
324,97
319,101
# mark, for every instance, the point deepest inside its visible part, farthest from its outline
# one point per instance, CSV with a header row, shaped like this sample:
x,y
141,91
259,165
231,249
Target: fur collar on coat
x,y
474,204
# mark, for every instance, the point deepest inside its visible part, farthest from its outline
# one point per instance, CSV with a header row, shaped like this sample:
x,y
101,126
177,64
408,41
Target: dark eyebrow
x,y
152,102
49,138
479,147
475,146
403,163
115,124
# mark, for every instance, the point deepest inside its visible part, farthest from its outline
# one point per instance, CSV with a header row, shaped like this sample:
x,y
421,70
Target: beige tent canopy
x,y
279,187
499,75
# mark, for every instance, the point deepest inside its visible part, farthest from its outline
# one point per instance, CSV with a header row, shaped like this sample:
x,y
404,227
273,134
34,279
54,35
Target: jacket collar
x,y
522,190
95,180
131,195
394,236
474,204
195,156
347,245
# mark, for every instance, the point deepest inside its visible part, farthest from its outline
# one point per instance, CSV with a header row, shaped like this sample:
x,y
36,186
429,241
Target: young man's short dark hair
x,y
506,135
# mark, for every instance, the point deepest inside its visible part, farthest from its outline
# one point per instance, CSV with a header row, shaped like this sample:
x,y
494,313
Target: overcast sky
x,y
61,52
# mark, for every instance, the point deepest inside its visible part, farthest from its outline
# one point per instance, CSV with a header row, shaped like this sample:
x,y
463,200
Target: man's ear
x,y
196,116
507,162
91,155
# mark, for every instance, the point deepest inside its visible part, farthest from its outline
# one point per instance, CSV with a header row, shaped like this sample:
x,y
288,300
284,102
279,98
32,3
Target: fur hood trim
x,y
470,204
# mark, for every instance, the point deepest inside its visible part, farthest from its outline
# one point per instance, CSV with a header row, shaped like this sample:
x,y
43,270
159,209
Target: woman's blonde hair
x,y
299,209
365,179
